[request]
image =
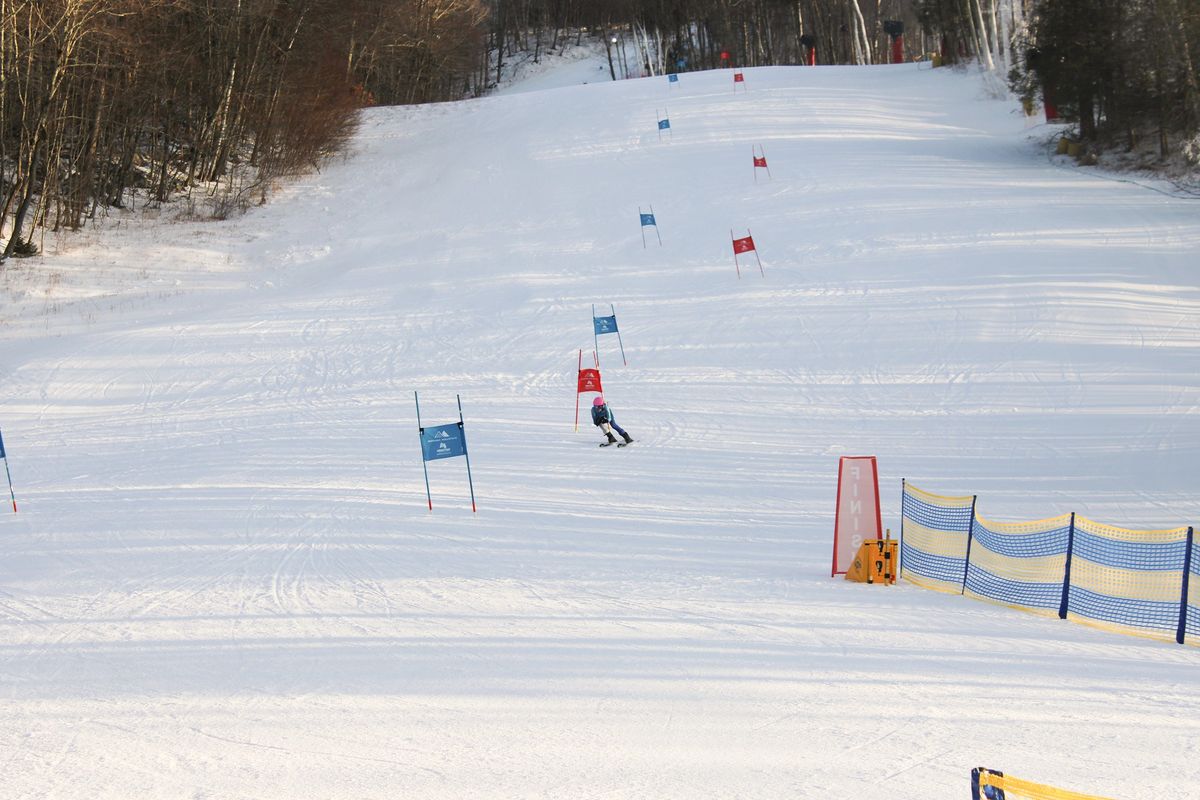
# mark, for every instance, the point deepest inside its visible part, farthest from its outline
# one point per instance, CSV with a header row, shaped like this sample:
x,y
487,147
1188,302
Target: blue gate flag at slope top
x,y
673,78
2,446
664,124
648,219
443,441
605,324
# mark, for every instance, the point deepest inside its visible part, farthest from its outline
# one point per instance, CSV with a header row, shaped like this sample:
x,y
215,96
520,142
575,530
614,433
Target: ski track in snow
x,y
223,581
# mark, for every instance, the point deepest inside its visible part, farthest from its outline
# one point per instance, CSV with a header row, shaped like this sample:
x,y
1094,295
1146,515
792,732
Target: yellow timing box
x,y
875,562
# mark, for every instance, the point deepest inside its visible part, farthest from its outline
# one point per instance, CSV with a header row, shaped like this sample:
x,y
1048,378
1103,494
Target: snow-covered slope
x,y
223,581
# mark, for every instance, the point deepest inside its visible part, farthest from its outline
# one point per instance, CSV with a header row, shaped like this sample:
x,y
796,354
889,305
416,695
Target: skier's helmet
x,y
599,401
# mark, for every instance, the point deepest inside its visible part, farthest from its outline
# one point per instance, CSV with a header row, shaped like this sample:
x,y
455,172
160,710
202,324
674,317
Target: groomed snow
x,y
223,581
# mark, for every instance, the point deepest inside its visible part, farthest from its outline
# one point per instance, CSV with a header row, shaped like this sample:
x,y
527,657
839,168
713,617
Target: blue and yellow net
x,y
936,531
1127,579
988,784
1145,582
1019,563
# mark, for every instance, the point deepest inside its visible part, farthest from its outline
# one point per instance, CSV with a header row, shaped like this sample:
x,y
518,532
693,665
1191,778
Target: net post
x,y
1181,630
900,547
979,779
970,539
1065,603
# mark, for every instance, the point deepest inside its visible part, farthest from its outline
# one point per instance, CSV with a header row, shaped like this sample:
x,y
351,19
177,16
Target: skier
x,y
602,417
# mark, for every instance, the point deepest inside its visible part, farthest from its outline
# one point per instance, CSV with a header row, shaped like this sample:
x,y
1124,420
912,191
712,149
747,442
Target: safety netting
x,y
936,530
1019,563
990,784
1127,579
1136,581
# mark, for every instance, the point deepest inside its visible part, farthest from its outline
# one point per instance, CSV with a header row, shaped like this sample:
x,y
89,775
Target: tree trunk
x,y
862,42
22,209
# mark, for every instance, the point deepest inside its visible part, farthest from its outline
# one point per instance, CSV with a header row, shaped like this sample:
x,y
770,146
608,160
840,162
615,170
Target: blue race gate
x,y
443,441
603,325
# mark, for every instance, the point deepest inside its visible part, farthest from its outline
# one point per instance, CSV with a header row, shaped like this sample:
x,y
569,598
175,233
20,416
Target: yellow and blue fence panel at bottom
x,y
990,784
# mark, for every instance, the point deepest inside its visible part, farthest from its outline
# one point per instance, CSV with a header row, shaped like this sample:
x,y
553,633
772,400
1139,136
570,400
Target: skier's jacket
x,y
601,414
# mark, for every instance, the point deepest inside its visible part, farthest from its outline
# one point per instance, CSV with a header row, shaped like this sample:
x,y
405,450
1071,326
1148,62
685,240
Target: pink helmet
x,y
599,401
